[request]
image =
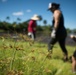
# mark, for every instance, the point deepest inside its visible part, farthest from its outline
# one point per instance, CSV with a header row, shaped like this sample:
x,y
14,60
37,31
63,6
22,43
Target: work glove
x,y
53,33
73,37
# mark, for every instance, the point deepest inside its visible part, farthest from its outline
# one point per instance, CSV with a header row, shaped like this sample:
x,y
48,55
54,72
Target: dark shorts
x,y
74,54
74,39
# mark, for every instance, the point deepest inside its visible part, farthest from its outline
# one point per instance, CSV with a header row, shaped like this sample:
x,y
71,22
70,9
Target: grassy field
x,y
21,57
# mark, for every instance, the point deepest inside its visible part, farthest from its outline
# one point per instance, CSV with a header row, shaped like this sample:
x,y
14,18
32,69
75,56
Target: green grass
x,y
26,58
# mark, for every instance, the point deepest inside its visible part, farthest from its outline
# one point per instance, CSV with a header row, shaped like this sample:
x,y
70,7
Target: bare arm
x,y
57,15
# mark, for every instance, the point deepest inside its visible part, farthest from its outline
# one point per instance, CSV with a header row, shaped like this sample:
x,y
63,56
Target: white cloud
x,y
28,10
18,13
4,0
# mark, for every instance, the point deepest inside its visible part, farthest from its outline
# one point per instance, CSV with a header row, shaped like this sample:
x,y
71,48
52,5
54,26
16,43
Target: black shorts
x,y
74,39
74,54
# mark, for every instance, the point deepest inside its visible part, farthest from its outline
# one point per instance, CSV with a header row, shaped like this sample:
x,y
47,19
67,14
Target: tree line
x,y
22,27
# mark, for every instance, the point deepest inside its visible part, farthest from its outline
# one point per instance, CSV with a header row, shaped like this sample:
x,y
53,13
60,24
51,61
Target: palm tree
x,y
7,18
45,22
18,19
7,24
40,17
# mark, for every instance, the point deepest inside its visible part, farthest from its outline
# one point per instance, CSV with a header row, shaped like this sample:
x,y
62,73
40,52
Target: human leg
x,y
32,36
51,43
62,45
74,59
73,64
50,46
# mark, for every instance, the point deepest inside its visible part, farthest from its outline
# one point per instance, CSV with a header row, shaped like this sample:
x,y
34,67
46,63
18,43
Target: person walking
x,y
74,56
32,27
58,33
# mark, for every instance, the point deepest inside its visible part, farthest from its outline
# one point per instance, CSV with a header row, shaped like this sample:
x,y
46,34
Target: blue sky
x,y
25,9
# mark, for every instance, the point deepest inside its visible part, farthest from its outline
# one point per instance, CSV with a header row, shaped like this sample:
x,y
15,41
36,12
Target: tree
x,y
68,30
45,22
18,19
7,18
74,31
40,17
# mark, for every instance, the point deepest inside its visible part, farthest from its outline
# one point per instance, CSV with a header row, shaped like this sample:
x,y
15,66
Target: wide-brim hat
x,y
35,17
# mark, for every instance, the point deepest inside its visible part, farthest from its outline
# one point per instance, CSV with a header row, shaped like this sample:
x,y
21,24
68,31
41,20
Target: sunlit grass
x,y
25,57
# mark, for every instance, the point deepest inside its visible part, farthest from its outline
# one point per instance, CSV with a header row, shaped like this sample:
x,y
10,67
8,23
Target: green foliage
x,y
45,22
39,28
74,31
6,26
68,30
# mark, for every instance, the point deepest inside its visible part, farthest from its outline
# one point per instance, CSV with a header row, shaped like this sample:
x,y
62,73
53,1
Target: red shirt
x,y
31,26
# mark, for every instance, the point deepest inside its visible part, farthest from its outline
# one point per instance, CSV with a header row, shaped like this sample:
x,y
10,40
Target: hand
x,y
53,33
72,36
